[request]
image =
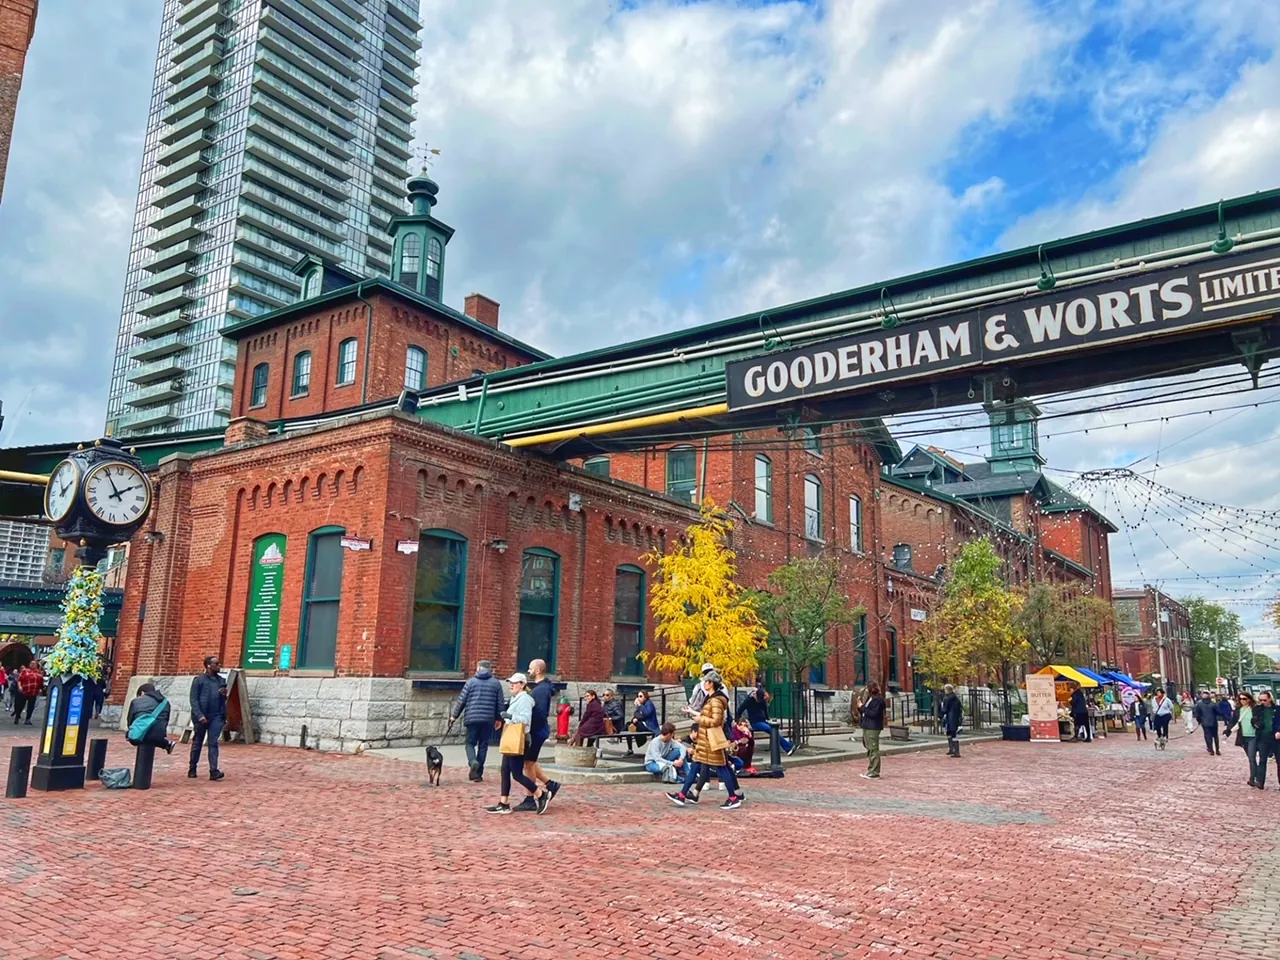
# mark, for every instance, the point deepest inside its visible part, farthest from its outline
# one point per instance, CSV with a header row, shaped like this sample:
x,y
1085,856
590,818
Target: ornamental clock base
x,y
61,762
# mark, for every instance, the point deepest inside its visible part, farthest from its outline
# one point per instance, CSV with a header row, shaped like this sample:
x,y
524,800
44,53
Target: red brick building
x,y
17,27
1154,634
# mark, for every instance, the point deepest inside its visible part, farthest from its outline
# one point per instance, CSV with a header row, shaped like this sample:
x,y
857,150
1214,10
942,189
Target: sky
x,y
619,168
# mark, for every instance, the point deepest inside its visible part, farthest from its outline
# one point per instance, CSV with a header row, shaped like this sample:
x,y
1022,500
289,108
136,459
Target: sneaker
x,y
733,803
216,775
869,776
541,801
552,789
677,798
192,773
498,808
527,805
794,748
692,797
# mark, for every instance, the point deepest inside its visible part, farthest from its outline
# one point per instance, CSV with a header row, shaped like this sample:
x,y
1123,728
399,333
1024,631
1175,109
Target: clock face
x,y
117,493
60,494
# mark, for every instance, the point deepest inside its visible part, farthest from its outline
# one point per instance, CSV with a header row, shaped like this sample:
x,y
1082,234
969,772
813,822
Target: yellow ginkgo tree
x,y
703,615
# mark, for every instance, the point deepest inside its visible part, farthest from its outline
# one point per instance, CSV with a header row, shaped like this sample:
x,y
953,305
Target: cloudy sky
x,y
624,167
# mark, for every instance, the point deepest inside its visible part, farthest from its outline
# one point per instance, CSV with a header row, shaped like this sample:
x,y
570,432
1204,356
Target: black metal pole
x,y
142,764
19,771
97,757
775,749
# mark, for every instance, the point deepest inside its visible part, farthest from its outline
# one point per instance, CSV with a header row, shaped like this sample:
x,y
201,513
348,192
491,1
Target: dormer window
x,y
435,254
312,287
410,260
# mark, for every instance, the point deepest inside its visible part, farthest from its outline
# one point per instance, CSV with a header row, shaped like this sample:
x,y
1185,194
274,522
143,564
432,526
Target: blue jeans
x,y
478,736
213,729
762,727
701,772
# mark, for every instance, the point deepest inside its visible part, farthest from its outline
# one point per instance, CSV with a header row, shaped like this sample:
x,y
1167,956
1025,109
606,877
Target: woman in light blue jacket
x,y
519,710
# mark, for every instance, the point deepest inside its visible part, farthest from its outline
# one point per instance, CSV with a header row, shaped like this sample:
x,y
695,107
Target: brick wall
x,y
17,25
454,352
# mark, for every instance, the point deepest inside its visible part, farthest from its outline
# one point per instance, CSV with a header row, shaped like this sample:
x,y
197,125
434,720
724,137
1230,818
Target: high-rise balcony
x,y
294,163
293,233
164,324
281,44
204,97
284,115
255,239
157,416
336,16
393,183
262,125
193,8
393,164
388,201
188,209
181,169
407,54
406,11
267,268
406,35
194,40
202,139
331,207
190,186
203,55
395,126
312,34
206,77
295,211
396,107
198,22
184,230
166,368
337,124
379,219
164,302
400,89
171,256
187,126
392,65
392,144
242,283
380,242
168,279
327,92
170,343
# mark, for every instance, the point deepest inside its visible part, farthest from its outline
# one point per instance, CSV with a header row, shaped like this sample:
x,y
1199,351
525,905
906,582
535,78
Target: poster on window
x,y
265,589
1042,706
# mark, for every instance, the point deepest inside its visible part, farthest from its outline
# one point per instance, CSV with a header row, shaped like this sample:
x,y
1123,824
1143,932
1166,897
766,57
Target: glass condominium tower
x,y
278,129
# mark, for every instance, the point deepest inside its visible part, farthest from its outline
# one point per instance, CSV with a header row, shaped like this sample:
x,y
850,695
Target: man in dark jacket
x,y
1225,710
209,715
952,717
1080,716
1206,714
480,706
872,711
147,701
1266,741
756,707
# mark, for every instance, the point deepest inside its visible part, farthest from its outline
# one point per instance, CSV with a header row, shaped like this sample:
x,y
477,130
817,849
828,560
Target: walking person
x,y
756,708
1080,715
1206,714
1266,744
1161,717
1138,713
872,712
543,692
209,714
699,695
519,716
479,704
1246,734
711,748
952,718
148,719
30,680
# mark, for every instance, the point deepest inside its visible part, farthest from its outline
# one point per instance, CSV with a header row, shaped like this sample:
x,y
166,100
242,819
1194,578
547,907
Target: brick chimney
x,y
245,430
479,307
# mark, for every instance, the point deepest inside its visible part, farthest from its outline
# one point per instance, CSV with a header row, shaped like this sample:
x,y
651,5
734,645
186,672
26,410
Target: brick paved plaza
x,y
1017,850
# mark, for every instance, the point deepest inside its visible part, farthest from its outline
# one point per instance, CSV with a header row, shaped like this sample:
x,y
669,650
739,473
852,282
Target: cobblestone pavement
x,y
1015,851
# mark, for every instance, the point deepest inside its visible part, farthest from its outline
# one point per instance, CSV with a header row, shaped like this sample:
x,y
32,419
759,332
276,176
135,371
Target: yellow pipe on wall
x,y
617,426
13,477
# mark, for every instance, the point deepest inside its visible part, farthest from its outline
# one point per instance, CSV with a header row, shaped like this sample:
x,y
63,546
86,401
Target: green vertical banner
x,y
265,590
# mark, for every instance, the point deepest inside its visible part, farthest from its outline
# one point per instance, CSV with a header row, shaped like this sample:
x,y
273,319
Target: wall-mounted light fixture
x,y
499,545
153,536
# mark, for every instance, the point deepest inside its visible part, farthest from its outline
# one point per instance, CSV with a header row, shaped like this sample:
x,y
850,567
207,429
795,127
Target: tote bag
x,y
512,744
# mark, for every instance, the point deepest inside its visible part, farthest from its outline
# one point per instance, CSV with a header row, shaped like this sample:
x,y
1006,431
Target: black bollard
x,y
302,738
142,764
19,771
775,749
97,757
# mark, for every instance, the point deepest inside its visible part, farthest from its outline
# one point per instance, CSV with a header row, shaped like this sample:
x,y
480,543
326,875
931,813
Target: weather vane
x,y
426,156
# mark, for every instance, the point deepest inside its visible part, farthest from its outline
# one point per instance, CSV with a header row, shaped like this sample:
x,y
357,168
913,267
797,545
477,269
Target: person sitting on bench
x,y
756,708
665,758
149,719
591,725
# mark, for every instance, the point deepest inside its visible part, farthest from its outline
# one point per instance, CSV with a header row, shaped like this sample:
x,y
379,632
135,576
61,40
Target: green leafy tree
x,y
802,603
1059,627
1217,642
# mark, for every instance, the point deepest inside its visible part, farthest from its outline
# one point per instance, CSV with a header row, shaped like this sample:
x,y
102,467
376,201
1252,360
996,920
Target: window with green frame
x,y
628,621
539,607
682,474
436,640
597,465
818,674
812,437
860,651
322,591
893,654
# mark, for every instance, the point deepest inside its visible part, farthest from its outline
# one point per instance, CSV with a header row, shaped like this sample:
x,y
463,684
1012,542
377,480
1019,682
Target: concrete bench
x,y
899,732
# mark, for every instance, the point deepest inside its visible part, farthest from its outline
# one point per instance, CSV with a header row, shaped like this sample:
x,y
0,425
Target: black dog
x,y
435,766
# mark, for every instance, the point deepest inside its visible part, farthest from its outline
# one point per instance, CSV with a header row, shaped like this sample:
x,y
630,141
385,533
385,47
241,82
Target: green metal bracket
x,y
484,395
890,311
1224,243
1047,280
1250,343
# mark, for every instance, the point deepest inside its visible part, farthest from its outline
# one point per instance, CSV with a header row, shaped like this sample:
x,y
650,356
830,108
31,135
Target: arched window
x,y
258,397
347,362
902,556
415,369
628,621
312,287
764,489
436,642
860,651
301,374
410,259
321,594
855,524
435,254
682,474
539,607
893,654
812,507
813,440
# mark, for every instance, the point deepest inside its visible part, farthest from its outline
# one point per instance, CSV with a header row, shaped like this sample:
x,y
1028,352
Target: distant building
x,y
1154,634
24,549
17,27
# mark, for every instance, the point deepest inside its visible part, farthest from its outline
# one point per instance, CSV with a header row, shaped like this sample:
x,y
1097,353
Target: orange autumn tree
x,y
703,615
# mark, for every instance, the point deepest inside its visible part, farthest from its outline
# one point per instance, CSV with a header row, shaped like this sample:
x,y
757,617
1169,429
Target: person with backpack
x,y
1138,713
480,706
149,719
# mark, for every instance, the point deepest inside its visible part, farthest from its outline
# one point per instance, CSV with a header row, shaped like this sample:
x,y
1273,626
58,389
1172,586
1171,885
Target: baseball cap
x,y
517,678
708,667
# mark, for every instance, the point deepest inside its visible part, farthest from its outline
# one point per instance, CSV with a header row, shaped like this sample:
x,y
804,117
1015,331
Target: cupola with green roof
x,y
420,239
1015,436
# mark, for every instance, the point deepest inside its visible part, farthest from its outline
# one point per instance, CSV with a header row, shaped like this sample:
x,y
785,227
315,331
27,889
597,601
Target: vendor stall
x,y
1066,679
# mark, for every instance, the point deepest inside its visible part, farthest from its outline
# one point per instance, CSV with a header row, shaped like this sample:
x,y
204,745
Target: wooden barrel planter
x,y
568,755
